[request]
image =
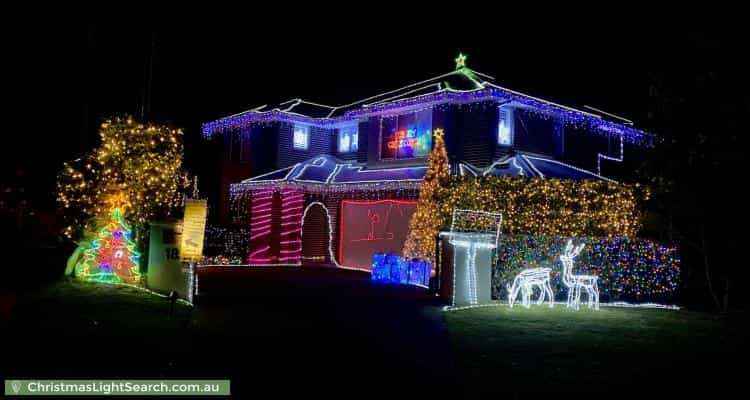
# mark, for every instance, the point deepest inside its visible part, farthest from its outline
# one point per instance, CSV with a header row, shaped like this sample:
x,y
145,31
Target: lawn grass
x,y
79,305
74,328
519,349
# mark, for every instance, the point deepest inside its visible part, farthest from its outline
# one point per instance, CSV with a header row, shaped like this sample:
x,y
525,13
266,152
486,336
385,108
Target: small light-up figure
x,y
576,283
525,283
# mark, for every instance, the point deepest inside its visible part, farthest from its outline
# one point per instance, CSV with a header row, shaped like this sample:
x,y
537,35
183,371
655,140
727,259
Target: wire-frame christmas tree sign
x,y
112,256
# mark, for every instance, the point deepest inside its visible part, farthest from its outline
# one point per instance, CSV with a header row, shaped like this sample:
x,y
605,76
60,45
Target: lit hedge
x,y
548,206
628,269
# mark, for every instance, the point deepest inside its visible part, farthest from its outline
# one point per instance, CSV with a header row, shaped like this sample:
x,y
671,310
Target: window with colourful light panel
x,y
301,137
406,136
505,126
348,139
372,226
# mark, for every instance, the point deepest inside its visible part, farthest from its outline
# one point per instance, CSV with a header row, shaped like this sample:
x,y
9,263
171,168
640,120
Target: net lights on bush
x,y
628,269
530,206
141,160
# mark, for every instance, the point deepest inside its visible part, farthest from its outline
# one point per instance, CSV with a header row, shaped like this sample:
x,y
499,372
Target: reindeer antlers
x,y
571,251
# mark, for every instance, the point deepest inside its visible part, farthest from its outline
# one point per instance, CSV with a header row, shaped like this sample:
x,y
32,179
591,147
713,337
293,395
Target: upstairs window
x,y
505,126
239,146
348,139
406,136
301,138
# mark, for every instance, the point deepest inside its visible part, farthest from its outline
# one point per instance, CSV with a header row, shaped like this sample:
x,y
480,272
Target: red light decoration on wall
x,y
382,228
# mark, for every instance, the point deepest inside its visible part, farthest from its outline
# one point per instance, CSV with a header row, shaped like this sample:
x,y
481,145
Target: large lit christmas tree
x,y
427,220
112,256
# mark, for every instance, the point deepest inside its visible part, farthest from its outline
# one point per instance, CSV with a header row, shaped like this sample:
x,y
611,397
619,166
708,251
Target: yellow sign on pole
x,y
193,229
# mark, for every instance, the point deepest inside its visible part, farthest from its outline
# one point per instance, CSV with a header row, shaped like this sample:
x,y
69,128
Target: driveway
x,y
319,330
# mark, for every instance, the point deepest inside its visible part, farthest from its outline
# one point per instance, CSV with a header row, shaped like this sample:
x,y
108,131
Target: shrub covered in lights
x,y
629,269
141,160
226,245
534,207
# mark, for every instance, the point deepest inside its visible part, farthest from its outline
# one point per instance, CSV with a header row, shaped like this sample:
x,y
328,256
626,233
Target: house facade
x,y
334,184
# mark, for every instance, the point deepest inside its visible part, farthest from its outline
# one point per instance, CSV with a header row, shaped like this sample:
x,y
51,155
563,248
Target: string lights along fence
x,y
226,245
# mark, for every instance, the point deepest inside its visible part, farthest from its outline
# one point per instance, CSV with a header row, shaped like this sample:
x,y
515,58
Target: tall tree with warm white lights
x,y
140,160
135,161
427,219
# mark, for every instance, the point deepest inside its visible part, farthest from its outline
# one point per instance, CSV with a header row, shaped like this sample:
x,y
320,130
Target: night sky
x,y
203,71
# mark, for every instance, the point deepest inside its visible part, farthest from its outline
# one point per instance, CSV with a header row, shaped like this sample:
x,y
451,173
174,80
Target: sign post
x,y
165,267
193,232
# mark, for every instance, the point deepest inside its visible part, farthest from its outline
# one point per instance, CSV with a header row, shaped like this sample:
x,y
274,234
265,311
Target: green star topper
x,y
461,61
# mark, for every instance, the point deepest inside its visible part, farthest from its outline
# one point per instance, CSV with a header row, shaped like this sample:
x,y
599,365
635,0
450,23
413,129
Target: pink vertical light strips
x,y
263,228
290,238
260,227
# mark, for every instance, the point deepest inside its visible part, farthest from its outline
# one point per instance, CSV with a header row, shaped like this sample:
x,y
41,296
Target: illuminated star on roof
x,y
460,61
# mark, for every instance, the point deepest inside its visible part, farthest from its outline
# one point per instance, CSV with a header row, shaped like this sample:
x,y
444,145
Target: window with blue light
x,y
505,127
301,137
348,139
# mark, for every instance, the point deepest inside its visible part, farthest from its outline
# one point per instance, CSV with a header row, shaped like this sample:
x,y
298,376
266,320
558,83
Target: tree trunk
x,y
708,273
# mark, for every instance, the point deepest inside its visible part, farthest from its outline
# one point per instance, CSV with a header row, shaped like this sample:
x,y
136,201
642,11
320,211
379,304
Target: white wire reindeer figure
x,y
525,282
576,283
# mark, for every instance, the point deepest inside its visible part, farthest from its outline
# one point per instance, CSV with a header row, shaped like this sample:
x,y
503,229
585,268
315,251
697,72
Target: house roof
x,y
522,164
329,169
326,169
460,86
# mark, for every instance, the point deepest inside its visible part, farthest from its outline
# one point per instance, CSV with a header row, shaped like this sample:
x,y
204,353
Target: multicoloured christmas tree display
x,y
112,256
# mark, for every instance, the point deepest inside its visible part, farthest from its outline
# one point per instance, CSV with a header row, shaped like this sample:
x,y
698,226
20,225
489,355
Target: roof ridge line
x,y
544,101
386,100
393,91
